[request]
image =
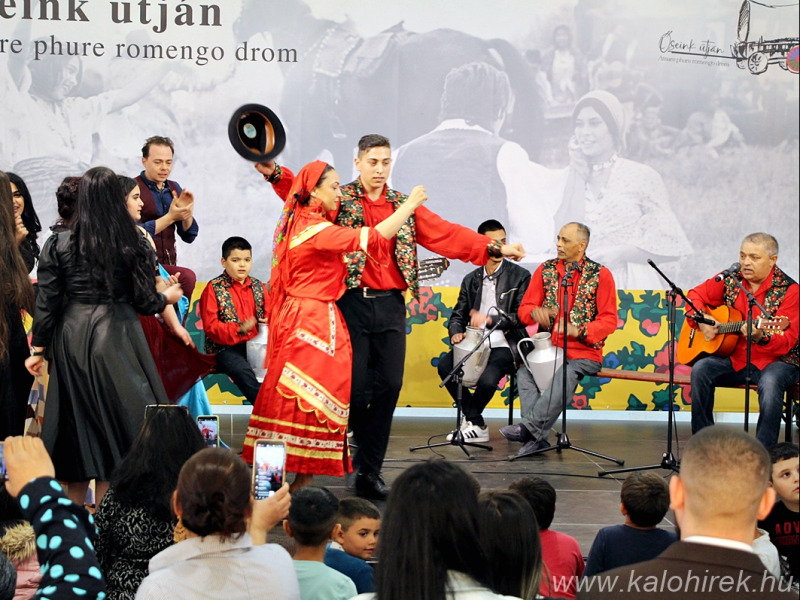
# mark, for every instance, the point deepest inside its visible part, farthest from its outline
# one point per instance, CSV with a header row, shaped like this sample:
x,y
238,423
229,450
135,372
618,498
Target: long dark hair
x,y
105,236
510,537
66,200
148,474
29,217
16,291
431,523
213,494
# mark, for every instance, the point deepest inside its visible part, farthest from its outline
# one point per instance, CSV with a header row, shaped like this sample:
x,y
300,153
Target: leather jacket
x,y
512,282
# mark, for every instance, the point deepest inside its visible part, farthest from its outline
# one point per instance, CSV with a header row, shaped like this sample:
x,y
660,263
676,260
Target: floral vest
x,y
584,309
772,301
227,311
351,214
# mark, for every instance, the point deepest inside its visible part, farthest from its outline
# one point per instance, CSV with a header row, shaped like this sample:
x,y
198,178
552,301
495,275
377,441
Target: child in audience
x,y
355,537
560,552
231,307
312,518
644,500
783,523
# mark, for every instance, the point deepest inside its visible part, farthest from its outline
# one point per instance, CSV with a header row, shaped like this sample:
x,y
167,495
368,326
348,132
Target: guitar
x,y
432,268
692,345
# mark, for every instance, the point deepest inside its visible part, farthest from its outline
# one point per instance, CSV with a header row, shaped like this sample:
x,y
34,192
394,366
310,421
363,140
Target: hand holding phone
x,y
269,462
269,512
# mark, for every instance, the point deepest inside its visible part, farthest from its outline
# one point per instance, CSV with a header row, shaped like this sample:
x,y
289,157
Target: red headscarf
x,y
305,181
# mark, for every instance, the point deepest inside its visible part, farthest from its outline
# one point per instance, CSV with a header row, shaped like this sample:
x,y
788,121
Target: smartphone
x,y
269,462
209,428
151,407
3,472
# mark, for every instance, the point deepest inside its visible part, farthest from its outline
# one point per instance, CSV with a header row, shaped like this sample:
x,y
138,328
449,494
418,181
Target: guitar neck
x,y
736,326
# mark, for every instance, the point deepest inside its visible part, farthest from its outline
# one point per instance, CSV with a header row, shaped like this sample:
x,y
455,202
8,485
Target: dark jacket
x,y
512,281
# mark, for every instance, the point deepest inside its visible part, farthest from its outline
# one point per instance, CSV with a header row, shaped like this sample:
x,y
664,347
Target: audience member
x,y
312,519
66,200
26,221
560,552
783,522
8,578
63,529
18,544
720,493
135,520
167,209
767,552
510,538
231,307
644,500
355,538
220,558
16,294
431,519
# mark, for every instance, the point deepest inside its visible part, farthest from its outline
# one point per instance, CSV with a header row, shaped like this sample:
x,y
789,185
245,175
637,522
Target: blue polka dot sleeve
x,y
69,565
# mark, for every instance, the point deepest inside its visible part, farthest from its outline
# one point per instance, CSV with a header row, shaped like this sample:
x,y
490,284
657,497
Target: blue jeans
x,y
540,408
773,381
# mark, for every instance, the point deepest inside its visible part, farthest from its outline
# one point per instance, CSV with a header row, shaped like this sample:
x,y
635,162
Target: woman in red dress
x,y
305,398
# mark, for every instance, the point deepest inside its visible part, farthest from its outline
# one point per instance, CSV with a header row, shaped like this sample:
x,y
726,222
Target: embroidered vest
x,y
227,311
584,309
772,301
351,214
164,240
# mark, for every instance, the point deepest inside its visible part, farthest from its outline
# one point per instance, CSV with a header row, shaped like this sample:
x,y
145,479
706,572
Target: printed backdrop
x,y
709,92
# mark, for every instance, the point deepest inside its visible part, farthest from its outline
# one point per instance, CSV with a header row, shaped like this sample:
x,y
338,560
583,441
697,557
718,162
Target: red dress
x,y
305,398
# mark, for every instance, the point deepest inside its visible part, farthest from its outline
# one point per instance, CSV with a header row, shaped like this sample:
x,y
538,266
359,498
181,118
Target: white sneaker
x,y
463,426
471,433
475,433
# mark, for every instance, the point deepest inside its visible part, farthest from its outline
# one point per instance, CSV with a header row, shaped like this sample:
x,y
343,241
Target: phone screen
x,y
3,473
269,460
209,428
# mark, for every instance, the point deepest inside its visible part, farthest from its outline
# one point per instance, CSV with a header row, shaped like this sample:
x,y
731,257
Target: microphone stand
x,y
751,301
667,458
457,374
562,439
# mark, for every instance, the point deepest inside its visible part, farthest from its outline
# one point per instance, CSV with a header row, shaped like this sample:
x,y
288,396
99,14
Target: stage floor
x,y
586,502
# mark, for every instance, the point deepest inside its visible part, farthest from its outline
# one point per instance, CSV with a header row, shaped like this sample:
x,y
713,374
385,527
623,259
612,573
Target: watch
x,y
36,352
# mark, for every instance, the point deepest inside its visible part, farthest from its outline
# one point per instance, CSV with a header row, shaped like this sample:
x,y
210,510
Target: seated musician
x,y
499,284
774,358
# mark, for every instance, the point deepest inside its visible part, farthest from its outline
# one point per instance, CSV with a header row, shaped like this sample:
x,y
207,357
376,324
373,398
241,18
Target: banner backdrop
x,y
708,136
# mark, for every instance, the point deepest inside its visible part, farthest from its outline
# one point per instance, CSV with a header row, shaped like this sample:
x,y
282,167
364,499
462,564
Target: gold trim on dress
x,y
308,233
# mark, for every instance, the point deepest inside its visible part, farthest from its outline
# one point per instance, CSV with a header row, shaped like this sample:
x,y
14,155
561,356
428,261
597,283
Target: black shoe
x,y
371,486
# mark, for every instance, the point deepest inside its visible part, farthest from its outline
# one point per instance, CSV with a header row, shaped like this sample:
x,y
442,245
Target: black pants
x,y
378,334
233,362
501,361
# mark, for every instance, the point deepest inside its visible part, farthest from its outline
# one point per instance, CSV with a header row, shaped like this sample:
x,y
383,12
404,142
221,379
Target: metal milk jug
x,y
475,364
257,352
543,361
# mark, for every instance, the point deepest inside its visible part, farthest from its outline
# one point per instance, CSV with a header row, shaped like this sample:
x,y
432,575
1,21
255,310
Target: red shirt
x,y
710,293
227,333
562,557
451,240
603,325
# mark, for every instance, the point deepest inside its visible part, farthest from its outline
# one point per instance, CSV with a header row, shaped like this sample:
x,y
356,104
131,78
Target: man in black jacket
x,y
498,285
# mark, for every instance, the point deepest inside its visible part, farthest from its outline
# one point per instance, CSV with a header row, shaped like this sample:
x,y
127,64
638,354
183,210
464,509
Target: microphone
x,y
732,270
504,316
698,318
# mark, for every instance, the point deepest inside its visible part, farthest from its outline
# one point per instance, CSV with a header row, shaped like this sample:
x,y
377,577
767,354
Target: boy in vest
x,y
231,306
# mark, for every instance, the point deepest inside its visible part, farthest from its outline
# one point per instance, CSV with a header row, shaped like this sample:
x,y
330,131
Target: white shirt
x,y
497,339
208,568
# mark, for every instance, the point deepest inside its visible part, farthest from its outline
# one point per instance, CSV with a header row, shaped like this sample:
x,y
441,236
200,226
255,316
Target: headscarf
x,y
610,110
305,181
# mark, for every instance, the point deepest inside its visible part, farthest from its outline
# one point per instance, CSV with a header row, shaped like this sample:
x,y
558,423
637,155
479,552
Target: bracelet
x,y
495,249
36,352
276,175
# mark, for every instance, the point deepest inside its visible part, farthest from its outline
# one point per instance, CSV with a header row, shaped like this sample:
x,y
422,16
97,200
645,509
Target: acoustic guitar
x,y
432,268
692,345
